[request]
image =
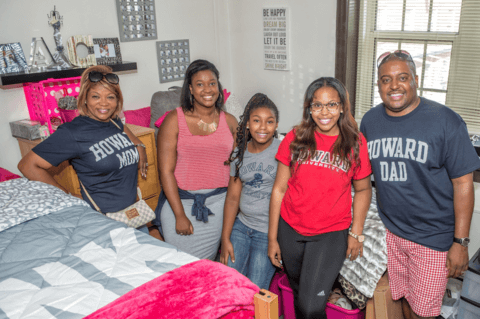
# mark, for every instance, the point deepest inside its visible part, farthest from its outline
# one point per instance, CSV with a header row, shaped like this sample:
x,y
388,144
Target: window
x,y
442,36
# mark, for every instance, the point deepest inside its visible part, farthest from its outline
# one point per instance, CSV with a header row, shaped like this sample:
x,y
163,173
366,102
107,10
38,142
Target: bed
x,y
61,259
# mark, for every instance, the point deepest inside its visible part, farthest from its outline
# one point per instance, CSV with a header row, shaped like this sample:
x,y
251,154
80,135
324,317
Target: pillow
x,y
7,175
140,117
164,101
160,120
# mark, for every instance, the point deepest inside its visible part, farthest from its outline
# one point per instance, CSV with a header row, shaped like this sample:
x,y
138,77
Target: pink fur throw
x,y
7,175
202,289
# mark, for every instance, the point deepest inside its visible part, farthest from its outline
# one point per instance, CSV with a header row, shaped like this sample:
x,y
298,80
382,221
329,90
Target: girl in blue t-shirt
x,y
252,172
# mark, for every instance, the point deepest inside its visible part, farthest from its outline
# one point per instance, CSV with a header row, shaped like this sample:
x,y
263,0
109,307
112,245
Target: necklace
x,y
208,127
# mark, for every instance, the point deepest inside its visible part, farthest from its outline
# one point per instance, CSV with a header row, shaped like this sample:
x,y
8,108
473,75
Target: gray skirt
x,y
205,240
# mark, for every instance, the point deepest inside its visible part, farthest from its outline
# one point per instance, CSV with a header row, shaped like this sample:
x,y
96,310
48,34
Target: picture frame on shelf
x,y
12,58
107,51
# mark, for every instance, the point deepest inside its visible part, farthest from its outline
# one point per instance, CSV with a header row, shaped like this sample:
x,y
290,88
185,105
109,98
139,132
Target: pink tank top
x,y
200,158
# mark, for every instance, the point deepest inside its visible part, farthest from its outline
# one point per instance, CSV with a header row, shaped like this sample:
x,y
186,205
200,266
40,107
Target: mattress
x,y
61,259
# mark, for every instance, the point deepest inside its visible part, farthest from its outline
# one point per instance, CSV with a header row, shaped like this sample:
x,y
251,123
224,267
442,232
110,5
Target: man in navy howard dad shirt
x,y
422,160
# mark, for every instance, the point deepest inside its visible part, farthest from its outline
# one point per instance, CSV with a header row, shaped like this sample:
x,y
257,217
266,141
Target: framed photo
x,y
107,51
12,59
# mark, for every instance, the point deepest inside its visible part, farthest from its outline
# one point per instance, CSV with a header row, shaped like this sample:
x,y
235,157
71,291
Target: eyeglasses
x,y
96,76
398,53
332,107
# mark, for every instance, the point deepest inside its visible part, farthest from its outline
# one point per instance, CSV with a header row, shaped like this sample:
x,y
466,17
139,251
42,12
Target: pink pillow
x,y
160,120
7,175
140,117
226,94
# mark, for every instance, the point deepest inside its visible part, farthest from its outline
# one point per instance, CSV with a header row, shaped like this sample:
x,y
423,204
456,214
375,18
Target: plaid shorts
x,y
417,273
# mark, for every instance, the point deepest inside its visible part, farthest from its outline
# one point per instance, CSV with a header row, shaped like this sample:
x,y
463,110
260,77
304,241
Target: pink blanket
x,y
202,289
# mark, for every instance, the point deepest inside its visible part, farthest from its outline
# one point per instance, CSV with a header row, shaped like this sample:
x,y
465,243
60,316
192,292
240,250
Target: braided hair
x,y
257,101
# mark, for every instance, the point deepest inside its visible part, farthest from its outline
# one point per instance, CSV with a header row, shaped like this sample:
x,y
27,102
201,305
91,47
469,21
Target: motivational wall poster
x,y
276,42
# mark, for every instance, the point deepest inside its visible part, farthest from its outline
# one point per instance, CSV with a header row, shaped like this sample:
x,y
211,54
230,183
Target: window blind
x,y
443,37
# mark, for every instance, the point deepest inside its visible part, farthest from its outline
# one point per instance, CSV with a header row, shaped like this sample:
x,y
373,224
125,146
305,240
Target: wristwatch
x,y
360,238
462,241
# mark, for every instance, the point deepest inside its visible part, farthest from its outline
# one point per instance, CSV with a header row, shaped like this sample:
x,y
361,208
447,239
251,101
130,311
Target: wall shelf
x,y
22,77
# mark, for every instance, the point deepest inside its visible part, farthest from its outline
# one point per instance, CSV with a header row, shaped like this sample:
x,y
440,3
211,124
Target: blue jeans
x,y
250,247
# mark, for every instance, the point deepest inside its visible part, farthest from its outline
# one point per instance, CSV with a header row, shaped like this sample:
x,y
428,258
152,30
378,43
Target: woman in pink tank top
x,y
193,143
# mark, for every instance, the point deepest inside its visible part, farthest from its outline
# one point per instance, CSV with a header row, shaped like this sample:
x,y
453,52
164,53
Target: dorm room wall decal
x,y
107,51
173,59
276,38
136,20
12,59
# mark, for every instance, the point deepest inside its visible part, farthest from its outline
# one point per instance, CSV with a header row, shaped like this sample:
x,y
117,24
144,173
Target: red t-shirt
x,y
319,198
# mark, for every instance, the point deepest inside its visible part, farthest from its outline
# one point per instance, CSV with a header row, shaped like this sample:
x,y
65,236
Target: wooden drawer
x,y
152,202
149,142
151,185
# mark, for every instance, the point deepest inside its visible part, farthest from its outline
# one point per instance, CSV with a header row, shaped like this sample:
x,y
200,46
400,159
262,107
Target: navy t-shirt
x,y
414,157
102,155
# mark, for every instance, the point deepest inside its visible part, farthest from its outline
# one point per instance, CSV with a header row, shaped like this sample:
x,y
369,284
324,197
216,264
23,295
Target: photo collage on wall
x,y
173,59
136,20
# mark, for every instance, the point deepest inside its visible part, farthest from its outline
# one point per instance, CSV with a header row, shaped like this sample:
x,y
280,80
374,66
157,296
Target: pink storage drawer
x,y
40,97
333,311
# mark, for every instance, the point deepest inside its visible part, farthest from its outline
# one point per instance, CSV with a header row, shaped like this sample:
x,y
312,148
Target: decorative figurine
x,y
61,61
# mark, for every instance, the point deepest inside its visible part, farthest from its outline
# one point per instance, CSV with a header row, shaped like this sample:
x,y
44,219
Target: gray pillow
x,y
164,101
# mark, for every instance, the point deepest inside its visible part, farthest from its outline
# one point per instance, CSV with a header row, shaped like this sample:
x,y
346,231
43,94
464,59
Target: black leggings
x,y
312,264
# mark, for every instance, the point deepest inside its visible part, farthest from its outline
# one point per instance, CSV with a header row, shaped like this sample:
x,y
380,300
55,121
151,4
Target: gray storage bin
x,y
471,286
467,310
30,130
474,264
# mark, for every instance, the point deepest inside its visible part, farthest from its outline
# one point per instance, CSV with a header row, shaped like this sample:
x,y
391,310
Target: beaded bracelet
x,y
142,145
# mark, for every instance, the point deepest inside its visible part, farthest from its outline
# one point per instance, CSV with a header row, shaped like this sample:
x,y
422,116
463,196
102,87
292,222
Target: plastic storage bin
x,y
467,310
40,97
287,298
333,311
275,288
470,296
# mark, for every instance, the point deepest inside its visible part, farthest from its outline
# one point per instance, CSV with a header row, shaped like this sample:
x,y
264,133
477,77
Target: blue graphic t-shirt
x,y
257,175
414,157
102,155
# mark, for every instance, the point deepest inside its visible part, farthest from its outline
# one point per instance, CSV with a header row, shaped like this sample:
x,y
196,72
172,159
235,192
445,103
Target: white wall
x,y
312,49
180,19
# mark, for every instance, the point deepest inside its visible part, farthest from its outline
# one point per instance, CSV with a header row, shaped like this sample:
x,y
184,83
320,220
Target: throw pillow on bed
x,y
140,117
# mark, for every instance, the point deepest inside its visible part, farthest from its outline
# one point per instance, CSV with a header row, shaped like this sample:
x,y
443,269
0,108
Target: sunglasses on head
x,y
398,53
96,76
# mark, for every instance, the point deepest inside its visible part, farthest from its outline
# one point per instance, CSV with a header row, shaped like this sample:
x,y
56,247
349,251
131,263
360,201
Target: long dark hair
x,y
346,146
257,101
186,97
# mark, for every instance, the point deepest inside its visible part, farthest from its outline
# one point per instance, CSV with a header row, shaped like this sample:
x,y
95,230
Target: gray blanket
x,y
61,259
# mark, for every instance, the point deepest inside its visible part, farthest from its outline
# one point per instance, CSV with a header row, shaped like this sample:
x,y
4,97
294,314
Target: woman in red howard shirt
x,y
310,207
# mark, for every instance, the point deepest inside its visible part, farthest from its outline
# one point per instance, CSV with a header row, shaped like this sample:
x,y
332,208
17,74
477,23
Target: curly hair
x,y
257,101
186,97
346,147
